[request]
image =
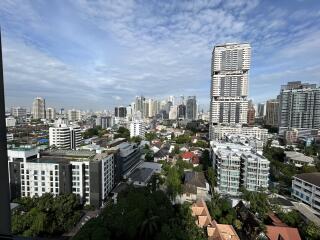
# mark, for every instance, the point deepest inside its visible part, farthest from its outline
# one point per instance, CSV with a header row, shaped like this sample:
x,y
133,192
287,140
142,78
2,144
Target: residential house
x,y
191,158
195,187
215,231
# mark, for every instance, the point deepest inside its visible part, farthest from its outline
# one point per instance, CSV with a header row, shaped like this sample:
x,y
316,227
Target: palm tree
x,y
148,227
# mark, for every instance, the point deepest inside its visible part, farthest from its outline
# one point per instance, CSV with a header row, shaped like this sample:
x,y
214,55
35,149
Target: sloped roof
x,y
286,233
195,178
187,155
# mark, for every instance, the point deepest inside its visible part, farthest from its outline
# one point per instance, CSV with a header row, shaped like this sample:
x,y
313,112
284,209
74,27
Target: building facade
x,y
272,112
120,112
137,128
306,188
238,166
18,112
38,108
50,114
64,136
87,174
219,132
74,115
191,108
299,106
229,83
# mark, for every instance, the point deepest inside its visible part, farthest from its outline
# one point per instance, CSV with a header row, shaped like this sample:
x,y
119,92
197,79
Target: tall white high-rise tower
x,y
229,83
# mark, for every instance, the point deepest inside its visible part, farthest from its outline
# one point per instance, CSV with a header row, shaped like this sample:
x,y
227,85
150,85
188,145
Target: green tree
x,y
122,133
149,136
173,182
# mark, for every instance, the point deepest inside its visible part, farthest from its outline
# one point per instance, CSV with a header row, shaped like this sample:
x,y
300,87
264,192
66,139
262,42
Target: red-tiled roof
x,y
286,233
187,155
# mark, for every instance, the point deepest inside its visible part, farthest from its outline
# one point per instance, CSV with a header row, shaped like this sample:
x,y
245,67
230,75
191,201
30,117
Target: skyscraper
x,y
74,115
229,83
299,106
191,108
38,108
120,112
272,112
261,110
181,111
51,113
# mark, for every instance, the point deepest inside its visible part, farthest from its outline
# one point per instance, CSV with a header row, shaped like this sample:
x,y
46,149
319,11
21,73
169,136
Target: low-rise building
x,y
215,231
219,132
298,159
306,188
195,187
10,122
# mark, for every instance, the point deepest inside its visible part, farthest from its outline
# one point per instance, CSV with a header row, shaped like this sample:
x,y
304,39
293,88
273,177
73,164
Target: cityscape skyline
x,y
128,54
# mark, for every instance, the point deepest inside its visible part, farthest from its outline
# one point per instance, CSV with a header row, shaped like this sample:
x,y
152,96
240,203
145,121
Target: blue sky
x,y
97,54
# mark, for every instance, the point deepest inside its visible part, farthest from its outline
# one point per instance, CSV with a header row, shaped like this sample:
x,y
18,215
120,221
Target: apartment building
x,y
18,112
137,128
239,166
50,114
88,174
38,108
306,188
229,83
272,112
220,132
65,136
299,106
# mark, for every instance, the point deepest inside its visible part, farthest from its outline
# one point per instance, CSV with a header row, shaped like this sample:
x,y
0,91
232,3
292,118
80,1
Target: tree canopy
x,y
46,215
142,214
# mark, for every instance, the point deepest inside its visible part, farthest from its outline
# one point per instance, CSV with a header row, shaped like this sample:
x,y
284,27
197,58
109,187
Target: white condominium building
x,y
306,188
10,121
88,174
219,132
19,112
74,115
255,169
64,136
237,166
137,128
229,83
50,114
38,108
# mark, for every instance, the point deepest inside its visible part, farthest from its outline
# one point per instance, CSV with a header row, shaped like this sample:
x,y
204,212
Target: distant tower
x,y
229,83
38,108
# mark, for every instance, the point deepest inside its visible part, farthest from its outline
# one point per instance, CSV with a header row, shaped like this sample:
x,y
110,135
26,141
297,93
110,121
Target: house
x,y
195,187
215,231
283,233
162,154
191,158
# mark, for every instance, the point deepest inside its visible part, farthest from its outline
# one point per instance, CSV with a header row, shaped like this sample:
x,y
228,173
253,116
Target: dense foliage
x,y
46,215
141,214
150,136
221,210
182,139
259,203
122,133
280,171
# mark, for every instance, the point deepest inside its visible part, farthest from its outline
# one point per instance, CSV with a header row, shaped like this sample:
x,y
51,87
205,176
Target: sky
x,y
89,54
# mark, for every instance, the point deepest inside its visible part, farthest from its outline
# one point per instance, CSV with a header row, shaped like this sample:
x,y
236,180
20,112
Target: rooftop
x,y
313,178
285,233
141,175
